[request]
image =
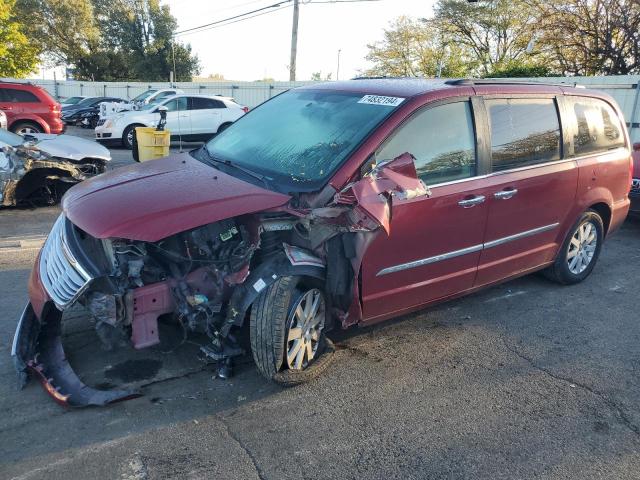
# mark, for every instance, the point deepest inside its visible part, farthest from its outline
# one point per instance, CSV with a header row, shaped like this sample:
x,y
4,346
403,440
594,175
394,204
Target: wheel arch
x,y
31,119
261,276
604,210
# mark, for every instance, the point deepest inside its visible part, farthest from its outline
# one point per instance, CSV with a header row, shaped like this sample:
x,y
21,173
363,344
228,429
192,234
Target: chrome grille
x,y
101,121
62,276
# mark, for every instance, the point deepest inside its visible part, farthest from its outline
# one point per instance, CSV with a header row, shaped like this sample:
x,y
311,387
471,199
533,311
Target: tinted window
x,y
442,141
523,132
201,103
598,126
23,96
176,104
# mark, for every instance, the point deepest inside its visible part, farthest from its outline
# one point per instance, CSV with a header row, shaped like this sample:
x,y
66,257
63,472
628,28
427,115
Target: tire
x,y
273,318
127,136
580,250
23,128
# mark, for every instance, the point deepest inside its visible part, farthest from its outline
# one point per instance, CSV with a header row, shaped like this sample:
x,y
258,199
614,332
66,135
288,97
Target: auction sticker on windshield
x,y
381,100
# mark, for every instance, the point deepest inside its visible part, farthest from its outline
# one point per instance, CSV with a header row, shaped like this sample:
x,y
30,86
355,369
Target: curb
x,y
22,242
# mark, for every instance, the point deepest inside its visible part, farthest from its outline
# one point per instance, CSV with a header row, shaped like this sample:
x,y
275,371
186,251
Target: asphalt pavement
x,y
524,380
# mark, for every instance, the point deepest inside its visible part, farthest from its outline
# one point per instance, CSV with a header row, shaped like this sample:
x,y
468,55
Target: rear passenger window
x,y
442,141
202,103
598,127
523,132
18,96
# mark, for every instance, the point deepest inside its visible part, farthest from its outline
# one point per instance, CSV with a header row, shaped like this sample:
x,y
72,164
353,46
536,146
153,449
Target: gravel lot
x,y
524,380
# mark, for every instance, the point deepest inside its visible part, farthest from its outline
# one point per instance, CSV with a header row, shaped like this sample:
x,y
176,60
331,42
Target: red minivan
x,y
328,206
30,109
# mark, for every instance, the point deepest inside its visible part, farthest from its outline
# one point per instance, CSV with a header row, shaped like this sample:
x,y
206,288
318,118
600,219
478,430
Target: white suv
x,y
191,117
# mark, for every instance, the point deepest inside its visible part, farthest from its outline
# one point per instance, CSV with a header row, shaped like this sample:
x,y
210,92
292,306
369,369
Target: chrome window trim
x,y
465,251
502,172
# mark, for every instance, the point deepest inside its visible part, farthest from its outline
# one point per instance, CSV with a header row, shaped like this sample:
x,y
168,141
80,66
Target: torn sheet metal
x,y
372,195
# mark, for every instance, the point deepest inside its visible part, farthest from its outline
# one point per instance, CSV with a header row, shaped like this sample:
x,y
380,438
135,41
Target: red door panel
x,y
527,215
432,251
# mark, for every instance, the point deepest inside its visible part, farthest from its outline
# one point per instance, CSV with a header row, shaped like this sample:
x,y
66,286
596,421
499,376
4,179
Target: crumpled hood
x,y
159,198
73,148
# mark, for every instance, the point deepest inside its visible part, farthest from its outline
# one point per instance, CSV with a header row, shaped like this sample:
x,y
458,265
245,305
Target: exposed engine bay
x,y
206,277
31,176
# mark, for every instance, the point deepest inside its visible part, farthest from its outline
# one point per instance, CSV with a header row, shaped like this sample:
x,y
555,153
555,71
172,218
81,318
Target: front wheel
x,y
580,251
287,332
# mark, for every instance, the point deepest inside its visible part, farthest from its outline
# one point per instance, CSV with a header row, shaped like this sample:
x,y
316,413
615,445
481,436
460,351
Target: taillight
x,y
245,109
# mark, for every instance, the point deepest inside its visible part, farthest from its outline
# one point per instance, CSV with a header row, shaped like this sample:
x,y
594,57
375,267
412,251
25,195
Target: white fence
x,y
625,89
250,94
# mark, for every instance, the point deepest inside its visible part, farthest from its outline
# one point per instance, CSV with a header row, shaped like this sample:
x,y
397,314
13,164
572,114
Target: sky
x,y
259,47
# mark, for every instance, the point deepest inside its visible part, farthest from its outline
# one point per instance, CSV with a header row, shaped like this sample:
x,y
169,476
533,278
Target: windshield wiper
x,y
229,163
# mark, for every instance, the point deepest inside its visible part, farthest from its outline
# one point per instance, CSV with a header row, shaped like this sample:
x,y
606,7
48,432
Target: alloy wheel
x,y
27,130
304,329
582,248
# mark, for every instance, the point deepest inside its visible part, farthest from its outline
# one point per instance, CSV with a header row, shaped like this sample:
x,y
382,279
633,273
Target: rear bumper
x,y
619,213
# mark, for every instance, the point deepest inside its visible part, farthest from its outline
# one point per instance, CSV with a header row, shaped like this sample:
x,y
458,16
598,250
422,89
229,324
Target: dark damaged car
x,y
328,206
39,168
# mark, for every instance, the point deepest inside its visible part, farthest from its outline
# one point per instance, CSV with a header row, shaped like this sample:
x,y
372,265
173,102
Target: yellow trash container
x,y
152,143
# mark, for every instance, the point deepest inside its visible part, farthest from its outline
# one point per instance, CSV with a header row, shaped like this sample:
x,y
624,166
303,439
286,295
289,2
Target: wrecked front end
x,y
30,176
206,278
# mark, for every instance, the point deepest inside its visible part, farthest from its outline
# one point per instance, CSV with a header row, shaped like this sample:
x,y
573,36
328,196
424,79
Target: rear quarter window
x,y
597,126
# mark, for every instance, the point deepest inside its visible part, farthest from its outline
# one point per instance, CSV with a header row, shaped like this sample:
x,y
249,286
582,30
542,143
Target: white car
x,y
190,117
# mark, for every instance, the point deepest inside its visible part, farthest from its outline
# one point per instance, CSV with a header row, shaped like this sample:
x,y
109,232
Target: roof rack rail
x,y
508,81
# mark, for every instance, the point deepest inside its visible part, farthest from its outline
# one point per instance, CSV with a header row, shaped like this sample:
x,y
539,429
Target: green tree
x,y
64,29
413,48
107,40
590,37
494,33
18,55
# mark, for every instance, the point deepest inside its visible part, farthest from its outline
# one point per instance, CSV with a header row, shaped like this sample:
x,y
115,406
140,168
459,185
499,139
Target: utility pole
x,y
294,41
338,67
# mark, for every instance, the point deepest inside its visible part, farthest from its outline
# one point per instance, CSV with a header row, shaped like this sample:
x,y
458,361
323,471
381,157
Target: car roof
x,y
410,86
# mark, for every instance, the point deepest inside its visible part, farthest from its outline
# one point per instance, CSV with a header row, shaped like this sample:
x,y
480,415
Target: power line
x,y
274,5
219,25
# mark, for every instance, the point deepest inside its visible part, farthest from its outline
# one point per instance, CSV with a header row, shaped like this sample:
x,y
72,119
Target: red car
x,y
30,109
329,206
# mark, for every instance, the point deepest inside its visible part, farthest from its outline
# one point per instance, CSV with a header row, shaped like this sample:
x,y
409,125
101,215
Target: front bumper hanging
x,y
37,349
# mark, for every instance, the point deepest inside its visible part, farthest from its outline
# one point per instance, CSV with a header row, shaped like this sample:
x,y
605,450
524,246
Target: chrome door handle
x,y
505,194
472,202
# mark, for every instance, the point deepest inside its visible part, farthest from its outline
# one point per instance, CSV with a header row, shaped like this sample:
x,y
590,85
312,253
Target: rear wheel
x,y
580,250
287,332
25,128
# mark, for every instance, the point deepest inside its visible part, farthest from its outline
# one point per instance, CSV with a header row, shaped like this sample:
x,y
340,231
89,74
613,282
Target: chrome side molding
x,y
465,251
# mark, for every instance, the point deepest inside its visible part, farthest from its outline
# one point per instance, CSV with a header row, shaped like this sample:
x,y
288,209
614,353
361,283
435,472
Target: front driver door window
x,y
435,242
178,119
